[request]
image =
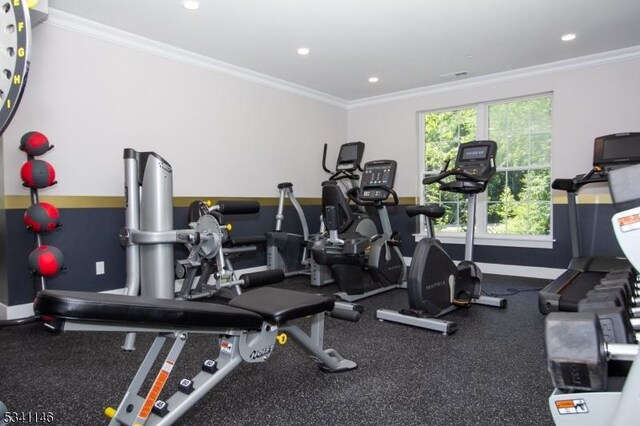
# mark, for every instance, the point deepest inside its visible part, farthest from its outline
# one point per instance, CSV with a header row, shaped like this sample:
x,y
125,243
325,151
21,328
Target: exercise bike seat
x,y
464,186
434,211
332,195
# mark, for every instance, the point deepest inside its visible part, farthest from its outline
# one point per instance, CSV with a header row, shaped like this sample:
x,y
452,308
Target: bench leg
x,y
329,359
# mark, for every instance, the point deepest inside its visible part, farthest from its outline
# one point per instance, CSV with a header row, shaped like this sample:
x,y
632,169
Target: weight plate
x,y
210,235
15,45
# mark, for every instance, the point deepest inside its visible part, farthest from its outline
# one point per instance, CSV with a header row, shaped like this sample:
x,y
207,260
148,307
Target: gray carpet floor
x,y
492,371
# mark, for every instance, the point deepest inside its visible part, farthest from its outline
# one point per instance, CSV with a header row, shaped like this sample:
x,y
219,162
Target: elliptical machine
x,y
349,253
288,251
436,285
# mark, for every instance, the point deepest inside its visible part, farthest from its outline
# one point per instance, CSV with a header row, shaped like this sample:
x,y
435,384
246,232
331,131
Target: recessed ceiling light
x,y
303,51
373,79
191,4
568,37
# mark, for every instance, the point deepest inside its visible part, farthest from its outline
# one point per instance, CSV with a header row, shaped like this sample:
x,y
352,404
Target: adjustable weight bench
x,y
248,328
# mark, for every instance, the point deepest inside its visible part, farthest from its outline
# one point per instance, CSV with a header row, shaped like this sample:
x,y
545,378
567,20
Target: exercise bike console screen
x,y
376,176
475,153
477,158
350,156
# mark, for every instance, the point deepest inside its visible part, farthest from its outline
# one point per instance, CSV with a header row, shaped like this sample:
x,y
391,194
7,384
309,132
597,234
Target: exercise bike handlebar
x,y
354,195
453,172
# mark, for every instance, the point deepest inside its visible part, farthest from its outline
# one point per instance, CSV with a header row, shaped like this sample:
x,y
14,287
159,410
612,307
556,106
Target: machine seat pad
x,y
430,210
278,306
81,305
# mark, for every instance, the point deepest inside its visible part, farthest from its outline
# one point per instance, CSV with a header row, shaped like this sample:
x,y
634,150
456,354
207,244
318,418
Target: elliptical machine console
x,y
435,284
349,158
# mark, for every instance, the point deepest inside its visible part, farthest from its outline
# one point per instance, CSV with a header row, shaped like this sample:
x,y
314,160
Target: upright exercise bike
x,y
435,284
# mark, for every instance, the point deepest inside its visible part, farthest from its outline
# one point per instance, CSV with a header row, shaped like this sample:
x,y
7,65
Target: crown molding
x,y
572,64
67,21
126,39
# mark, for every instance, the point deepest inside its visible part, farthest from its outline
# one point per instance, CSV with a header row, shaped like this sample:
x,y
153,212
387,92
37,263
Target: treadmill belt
x,y
572,293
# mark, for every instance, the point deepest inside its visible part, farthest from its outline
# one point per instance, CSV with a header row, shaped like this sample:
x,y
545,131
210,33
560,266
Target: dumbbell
x,y
577,354
619,322
609,300
615,321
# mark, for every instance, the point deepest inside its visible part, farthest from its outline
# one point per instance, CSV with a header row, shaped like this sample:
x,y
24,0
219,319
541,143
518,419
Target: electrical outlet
x,y
100,268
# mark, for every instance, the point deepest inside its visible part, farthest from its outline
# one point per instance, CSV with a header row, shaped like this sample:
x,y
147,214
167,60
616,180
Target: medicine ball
x,y
46,260
37,174
42,217
34,143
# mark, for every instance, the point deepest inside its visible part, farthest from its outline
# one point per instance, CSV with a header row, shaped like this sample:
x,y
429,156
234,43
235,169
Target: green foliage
x,y
526,212
444,131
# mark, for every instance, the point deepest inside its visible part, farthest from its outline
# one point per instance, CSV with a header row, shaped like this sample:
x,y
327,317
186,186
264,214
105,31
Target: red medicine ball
x,y
42,217
37,174
46,260
34,143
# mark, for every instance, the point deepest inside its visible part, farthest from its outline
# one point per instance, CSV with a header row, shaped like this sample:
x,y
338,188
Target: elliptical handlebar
x,y
340,174
324,160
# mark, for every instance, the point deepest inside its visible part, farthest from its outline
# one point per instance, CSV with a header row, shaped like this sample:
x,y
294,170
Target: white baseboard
x,y
16,312
513,270
521,271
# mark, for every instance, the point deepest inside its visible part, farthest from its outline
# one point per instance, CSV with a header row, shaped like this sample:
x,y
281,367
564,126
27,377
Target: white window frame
x,y
482,133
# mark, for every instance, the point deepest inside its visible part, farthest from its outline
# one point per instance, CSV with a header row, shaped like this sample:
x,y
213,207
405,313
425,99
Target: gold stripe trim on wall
x,y
89,202
65,202
584,199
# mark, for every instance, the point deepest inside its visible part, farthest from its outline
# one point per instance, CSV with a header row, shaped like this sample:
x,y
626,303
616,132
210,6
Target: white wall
x,y
588,101
223,135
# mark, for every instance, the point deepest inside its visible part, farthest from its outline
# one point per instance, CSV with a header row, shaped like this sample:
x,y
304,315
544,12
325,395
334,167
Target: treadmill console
x,y
350,156
477,158
376,176
612,151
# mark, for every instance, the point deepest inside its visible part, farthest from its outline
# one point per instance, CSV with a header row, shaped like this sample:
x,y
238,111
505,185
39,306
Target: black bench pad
x,y
278,306
82,305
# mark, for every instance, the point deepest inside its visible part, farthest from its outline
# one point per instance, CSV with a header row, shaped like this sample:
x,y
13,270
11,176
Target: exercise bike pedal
x,y
462,303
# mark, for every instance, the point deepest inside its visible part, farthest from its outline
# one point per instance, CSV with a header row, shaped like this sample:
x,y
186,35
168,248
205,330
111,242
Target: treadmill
x,y
584,272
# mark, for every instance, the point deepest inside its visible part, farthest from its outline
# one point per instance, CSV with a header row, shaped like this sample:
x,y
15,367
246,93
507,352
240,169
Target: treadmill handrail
x,y
576,183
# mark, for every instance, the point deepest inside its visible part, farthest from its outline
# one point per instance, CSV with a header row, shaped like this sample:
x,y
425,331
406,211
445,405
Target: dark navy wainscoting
x,y
91,235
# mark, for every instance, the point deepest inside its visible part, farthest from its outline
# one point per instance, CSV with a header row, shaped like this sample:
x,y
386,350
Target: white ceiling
x,y
406,43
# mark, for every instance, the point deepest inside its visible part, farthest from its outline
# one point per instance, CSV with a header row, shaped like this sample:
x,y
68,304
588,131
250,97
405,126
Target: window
x,y
517,203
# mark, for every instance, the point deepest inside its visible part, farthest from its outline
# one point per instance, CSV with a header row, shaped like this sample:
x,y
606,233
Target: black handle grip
x,y
257,279
238,207
345,314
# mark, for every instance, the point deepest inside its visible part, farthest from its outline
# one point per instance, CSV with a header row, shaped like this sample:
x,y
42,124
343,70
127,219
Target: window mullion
x,y
482,133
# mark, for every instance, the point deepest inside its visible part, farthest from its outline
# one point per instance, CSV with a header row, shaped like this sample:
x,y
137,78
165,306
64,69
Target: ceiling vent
x,y
452,75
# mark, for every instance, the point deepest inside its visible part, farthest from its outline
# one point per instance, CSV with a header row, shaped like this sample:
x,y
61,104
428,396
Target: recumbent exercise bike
x,y
435,284
348,253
